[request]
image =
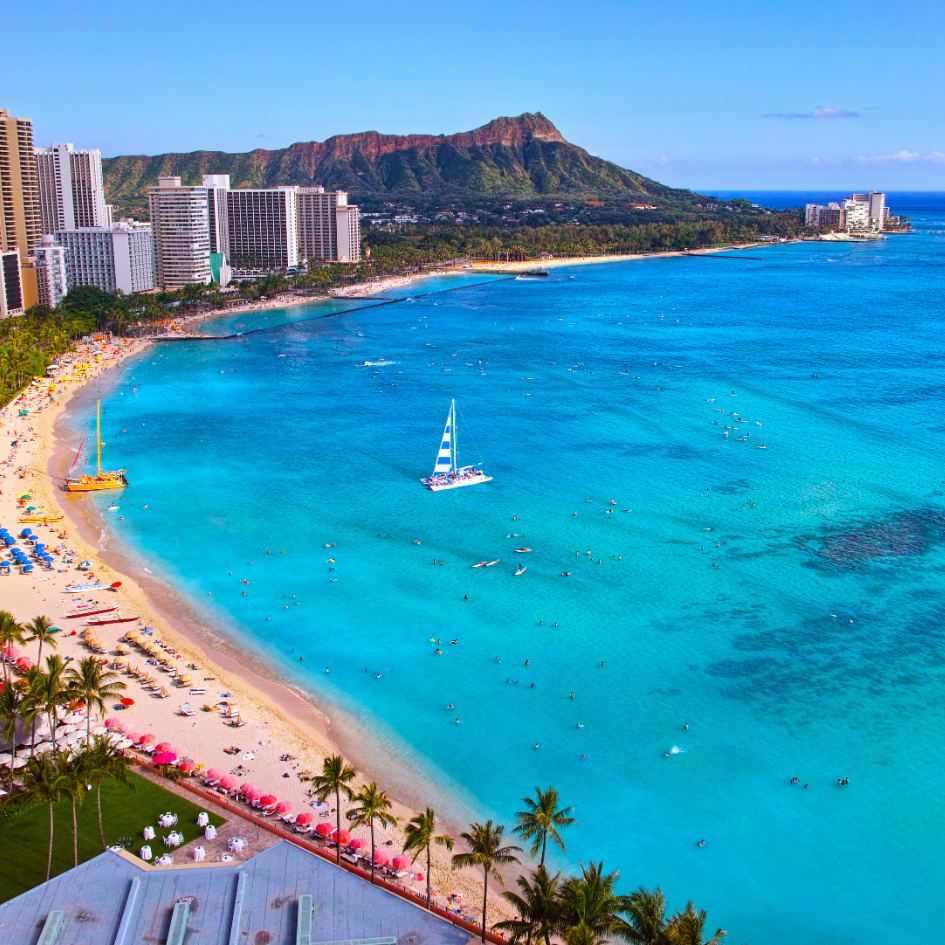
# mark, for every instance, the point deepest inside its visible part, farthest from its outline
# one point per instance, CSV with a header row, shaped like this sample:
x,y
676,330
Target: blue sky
x,y
676,90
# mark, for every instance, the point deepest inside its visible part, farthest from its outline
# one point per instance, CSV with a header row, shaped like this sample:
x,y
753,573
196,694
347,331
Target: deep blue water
x,y
786,602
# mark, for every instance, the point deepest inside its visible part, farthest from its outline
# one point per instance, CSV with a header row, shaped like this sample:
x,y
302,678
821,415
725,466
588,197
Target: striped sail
x,y
444,459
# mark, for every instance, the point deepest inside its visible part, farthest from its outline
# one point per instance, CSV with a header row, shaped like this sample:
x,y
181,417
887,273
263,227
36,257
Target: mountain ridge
x,y
524,157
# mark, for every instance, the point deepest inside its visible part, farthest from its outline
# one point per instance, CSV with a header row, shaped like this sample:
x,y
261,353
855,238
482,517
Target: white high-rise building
x,y
329,227
71,190
116,259
181,229
218,186
262,228
51,274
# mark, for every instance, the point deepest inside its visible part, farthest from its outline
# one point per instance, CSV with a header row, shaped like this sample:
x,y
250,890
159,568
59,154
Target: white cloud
x,y
902,157
663,161
821,111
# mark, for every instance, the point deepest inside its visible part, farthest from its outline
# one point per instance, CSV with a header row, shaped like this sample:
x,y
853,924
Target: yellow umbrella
x,y
119,661
184,680
122,648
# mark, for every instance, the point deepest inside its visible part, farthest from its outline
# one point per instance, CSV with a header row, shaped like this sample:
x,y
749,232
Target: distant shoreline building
x,y
52,281
329,227
858,213
262,229
180,227
117,259
71,189
11,283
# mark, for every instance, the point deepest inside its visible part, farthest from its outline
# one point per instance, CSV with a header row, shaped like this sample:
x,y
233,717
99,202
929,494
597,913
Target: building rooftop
x,y
116,899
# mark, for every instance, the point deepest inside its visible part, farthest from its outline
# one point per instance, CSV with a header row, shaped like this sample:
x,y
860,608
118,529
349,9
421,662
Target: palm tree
x,y
11,712
646,917
688,928
374,806
541,820
486,850
420,834
43,783
537,907
72,777
590,906
10,633
30,680
39,629
51,693
93,684
334,778
103,763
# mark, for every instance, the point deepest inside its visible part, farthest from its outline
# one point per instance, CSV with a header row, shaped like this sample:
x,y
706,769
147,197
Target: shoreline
x,y
288,717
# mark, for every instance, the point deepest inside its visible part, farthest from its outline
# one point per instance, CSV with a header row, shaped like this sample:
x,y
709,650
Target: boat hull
x,y
440,487
96,484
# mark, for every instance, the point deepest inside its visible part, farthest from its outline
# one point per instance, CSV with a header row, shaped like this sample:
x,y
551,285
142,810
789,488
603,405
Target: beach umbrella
x,y
127,701
342,838
148,739
268,800
133,737
228,783
284,807
357,843
254,795
188,766
161,746
164,758
214,774
247,787
111,723
120,661
10,652
322,829
401,862
381,858
24,662
101,730
122,648
304,819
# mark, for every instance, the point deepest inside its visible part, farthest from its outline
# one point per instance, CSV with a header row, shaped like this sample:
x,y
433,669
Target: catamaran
x,y
77,481
446,474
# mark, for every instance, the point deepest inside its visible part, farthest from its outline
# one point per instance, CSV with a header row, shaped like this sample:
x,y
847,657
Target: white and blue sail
x,y
446,458
447,473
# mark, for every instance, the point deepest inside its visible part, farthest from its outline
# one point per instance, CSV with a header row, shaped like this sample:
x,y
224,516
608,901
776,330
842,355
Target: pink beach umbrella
x,y
228,783
164,758
381,858
113,723
188,766
161,746
322,829
247,787
304,819
134,738
10,652
254,795
268,800
342,838
357,843
214,774
24,662
125,727
401,862
148,739
284,807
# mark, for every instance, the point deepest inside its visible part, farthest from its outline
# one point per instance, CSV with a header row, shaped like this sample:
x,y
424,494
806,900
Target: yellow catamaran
x,y
78,482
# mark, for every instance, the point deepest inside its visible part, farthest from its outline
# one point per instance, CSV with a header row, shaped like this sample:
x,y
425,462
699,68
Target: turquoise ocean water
x,y
786,602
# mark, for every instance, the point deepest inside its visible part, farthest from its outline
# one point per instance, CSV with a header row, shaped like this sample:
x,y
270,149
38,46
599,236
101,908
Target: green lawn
x,y
24,838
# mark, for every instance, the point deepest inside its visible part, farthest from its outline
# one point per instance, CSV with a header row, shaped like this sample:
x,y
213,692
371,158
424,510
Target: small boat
x,y
118,619
481,564
520,551
90,613
40,519
490,563
82,588
446,473
565,574
77,481
111,508
521,570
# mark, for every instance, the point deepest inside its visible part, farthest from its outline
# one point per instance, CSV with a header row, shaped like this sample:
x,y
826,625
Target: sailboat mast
x,y
453,437
98,434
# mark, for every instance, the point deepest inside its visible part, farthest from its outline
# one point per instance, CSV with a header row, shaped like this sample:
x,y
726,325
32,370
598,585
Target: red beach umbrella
x,y
381,858
254,795
161,746
112,723
228,783
148,739
247,787
401,862
283,807
304,819
24,662
342,838
322,829
214,774
188,766
267,800
357,843
165,758
127,701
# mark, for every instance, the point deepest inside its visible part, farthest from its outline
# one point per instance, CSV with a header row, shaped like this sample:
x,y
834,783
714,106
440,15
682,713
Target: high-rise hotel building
x,y
329,227
20,228
180,227
71,190
263,229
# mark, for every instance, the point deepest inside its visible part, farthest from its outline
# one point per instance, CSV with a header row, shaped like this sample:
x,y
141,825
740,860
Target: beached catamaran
x,y
446,474
77,481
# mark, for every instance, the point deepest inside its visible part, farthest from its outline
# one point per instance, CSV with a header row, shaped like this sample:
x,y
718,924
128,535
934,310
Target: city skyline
x,y
732,96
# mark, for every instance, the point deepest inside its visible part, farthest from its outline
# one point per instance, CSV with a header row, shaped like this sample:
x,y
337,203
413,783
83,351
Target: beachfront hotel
x,y
11,285
20,227
117,258
52,282
858,213
329,227
71,189
262,229
180,227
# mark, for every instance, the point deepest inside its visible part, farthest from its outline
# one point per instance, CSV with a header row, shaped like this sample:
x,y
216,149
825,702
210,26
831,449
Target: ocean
x,y
736,460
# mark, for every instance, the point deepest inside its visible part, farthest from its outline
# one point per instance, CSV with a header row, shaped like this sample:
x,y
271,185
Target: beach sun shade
x,y
357,843
161,746
188,766
267,800
381,858
248,786
214,774
132,737
342,838
254,795
10,652
304,819
148,739
283,807
228,783
165,758
400,862
127,701
113,723
322,830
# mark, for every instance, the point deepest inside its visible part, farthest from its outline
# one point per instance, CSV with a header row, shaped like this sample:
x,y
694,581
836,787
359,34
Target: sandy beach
x,y
283,738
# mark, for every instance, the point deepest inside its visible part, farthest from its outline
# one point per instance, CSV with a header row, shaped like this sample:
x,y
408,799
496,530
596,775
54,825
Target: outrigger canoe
x,y
91,613
82,588
101,623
